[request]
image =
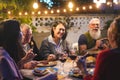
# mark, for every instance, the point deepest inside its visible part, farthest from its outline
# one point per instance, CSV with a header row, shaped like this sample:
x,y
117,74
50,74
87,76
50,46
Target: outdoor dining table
x,y
68,65
28,73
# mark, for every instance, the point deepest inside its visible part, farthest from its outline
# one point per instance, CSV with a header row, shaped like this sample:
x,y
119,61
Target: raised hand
x,y
29,55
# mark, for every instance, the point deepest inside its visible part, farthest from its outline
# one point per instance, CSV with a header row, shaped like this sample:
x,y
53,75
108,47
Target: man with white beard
x,y
90,39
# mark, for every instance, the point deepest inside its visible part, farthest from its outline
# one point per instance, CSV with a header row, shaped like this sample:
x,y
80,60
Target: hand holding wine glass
x,y
62,58
73,57
32,45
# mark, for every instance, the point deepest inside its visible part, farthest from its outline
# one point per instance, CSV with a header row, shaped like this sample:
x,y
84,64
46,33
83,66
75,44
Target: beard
x,y
95,34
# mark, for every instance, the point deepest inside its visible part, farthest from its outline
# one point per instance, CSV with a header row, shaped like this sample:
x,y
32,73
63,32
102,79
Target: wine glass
x,y
62,59
73,58
32,45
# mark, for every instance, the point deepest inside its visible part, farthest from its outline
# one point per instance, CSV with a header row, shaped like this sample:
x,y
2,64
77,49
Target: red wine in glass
x,y
62,60
73,57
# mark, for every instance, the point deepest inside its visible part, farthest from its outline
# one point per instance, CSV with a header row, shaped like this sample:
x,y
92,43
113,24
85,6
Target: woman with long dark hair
x,y
9,41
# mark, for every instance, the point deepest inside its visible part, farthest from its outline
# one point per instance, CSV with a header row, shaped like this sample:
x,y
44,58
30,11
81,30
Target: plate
x,y
76,73
47,64
93,51
43,71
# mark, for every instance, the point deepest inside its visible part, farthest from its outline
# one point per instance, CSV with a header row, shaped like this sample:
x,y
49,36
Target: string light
x,y
115,1
71,9
90,7
70,5
77,9
58,11
84,8
20,13
98,5
39,12
26,13
52,11
46,12
9,12
33,13
35,5
64,10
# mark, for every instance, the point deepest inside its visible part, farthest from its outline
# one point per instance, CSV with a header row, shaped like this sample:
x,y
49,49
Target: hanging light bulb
x,y
70,5
35,5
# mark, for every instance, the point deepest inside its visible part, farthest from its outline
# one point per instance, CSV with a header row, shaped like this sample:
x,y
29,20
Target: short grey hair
x,y
25,26
94,19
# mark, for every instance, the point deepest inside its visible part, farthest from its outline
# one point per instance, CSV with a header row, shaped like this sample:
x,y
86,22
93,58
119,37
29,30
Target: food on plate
x,y
44,70
76,73
50,69
47,63
38,72
76,70
90,59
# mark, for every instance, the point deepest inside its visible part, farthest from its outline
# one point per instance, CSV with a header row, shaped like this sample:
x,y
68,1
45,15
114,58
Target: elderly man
x,y
27,39
89,39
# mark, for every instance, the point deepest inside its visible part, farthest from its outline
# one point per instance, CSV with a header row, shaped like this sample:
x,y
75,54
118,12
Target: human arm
x,y
44,50
99,71
102,44
82,43
30,65
9,69
28,57
35,48
101,66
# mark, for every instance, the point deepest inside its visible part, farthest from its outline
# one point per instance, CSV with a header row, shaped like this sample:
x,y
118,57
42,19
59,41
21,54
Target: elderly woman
x,y
108,61
55,43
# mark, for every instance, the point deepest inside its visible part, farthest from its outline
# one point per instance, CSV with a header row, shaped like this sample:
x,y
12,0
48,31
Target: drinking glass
x,y
73,58
32,45
62,59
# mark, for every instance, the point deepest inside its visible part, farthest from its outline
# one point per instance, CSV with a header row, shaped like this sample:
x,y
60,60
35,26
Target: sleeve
x,y
68,46
44,50
8,69
100,67
82,40
35,49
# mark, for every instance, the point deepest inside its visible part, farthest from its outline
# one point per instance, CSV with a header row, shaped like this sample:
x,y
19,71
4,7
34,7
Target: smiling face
x,y
94,25
27,34
94,28
59,31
